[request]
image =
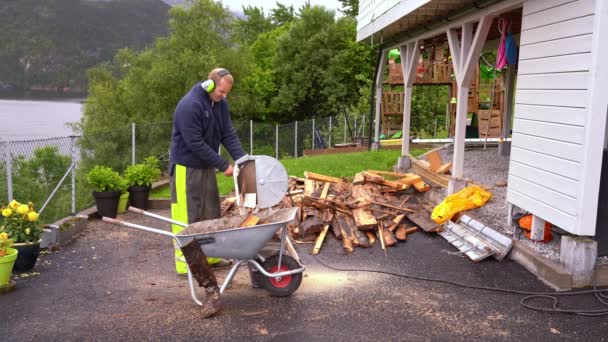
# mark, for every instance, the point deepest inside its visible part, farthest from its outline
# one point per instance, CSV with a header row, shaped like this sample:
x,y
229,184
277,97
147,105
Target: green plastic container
x,y
122,203
6,266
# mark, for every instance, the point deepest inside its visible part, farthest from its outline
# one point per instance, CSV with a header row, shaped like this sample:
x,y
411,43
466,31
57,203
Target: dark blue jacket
x,y
198,129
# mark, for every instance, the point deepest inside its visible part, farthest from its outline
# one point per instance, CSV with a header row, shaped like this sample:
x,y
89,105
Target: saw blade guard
x,y
259,181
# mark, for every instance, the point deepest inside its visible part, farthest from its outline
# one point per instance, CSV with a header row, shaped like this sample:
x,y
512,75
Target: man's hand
x,y
229,171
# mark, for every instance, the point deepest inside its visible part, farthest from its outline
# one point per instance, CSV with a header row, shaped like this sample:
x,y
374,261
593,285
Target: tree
x,y
350,7
316,64
247,30
282,15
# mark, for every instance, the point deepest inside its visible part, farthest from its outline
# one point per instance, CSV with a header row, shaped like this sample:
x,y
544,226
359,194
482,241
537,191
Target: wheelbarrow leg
x,y
200,270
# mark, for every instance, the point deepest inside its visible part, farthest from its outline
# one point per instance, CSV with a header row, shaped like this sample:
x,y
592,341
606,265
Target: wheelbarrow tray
x,y
218,238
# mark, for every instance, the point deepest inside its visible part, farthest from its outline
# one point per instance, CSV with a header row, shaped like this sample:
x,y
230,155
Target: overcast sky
x,y
267,5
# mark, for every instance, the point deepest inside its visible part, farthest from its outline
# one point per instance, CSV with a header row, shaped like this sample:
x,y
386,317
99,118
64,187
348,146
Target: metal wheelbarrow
x,y
279,274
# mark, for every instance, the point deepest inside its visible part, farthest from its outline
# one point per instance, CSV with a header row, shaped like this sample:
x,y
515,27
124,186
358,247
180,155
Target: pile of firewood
x,y
373,206
370,208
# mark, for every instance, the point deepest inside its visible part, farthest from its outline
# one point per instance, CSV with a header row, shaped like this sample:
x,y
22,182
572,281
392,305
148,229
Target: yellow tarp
x,y
468,198
390,142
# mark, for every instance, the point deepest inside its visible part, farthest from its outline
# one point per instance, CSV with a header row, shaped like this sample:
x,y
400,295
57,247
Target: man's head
x,y
223,81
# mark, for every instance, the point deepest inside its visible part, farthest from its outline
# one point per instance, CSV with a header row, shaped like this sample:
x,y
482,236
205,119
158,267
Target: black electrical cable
x,y
599,294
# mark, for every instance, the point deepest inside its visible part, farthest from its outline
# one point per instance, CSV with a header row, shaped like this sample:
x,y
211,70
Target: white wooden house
x,y
559,132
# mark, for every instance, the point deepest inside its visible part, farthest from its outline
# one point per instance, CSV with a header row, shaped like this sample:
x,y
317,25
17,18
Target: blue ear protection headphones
x,y
209,84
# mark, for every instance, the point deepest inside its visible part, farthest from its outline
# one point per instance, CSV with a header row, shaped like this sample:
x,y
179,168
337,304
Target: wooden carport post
x,y
409,55
465,55
379,82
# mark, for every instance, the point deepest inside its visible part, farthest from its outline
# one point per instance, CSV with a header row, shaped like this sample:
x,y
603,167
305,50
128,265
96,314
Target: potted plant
x,y
107,186
7,259
139,179
20,223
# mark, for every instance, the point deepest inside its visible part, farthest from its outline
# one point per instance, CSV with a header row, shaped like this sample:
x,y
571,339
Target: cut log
x,y
359,179
346,241
347,226
335,228
362,238
411,230
309,187
435,160
250,221
226,205
364,220
321,237
401,233
398,218
444,168
321,178
370,177
389,238
421,186
371,237
204,276
311,226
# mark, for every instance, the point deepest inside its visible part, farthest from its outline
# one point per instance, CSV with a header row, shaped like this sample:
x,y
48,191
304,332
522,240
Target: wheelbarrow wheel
x,y
284,286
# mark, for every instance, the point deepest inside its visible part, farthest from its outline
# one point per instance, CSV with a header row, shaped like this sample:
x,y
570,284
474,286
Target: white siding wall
x,y
551,110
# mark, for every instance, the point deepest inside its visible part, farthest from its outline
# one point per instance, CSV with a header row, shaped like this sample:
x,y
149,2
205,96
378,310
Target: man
x,y
200,123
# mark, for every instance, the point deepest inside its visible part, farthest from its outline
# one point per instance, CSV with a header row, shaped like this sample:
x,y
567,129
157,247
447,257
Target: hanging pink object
x,y
501,56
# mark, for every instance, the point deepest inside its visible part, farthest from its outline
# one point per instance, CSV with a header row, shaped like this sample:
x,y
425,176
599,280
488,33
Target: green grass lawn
x,y
337,165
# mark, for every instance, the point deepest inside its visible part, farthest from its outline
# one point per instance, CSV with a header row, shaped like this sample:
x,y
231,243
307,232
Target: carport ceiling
x,y
430,15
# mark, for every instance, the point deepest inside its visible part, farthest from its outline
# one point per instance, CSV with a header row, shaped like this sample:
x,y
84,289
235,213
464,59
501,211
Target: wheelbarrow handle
x,y
137,226
158,217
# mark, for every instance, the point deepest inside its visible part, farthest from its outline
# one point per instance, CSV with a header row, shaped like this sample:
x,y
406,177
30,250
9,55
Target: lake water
x,y
32,119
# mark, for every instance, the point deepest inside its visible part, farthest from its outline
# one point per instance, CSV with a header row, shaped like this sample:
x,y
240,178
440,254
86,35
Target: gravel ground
x,y
487,168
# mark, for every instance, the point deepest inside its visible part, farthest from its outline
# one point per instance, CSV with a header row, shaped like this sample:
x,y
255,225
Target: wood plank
x,y
418,167
362,238
249,221
568,63
422,218
569,28
422,186
325,191
347,243
410,179
381,237
321,178
444,168
392,206
558,47
364,220
563,115
387,173
389,238
321,237
549,130
564,98
434,159
335,228
562,81
554,148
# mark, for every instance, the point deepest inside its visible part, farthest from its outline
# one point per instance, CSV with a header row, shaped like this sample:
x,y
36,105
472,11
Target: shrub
x,y
103,178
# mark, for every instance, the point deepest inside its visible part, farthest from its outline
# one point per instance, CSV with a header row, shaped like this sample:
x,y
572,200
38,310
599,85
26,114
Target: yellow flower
x,y
3,236
32,216
23,209
14,204
27,231
7,212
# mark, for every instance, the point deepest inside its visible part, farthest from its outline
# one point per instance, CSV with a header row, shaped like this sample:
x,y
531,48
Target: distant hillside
x,y
49,44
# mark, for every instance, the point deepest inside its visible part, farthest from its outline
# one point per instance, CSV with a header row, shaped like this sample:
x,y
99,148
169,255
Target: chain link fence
x,y
51,173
